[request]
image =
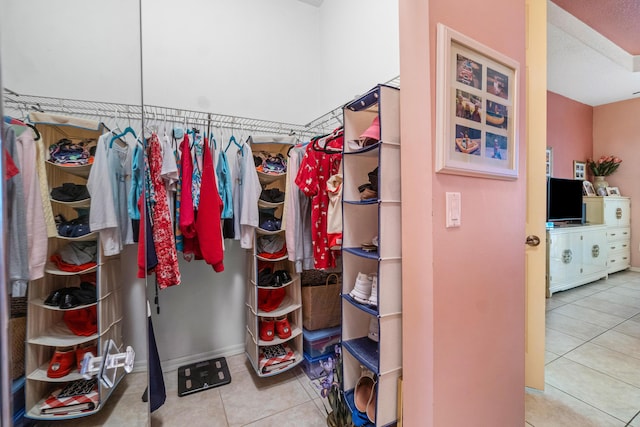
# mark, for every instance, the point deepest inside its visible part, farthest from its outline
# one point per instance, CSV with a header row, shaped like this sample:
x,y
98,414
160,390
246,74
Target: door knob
x,y
532,240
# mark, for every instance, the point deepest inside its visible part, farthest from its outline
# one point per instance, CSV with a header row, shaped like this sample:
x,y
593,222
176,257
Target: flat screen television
x,y
564,200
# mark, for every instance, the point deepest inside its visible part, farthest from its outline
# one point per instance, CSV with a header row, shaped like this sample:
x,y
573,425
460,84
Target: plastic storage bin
x,y
312,366
320,342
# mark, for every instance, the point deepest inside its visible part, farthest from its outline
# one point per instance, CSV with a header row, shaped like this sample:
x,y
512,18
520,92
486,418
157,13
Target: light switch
x,y
454,209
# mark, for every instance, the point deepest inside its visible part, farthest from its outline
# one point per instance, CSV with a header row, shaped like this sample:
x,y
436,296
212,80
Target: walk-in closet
x,y
178,143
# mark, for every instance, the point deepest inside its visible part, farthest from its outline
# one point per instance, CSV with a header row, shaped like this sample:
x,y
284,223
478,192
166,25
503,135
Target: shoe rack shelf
x,y
291,305
363,220
46,329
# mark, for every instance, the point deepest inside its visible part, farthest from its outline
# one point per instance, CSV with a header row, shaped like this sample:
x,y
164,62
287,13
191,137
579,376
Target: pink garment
x,y
36,227
316,168
208,227
167,272
187,214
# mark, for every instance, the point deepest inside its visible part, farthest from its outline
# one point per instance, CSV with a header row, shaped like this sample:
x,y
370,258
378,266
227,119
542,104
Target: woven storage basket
x,y
18,306
321,304
17,335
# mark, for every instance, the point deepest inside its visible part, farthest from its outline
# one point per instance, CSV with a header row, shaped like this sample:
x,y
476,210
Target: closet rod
x,y
24,104
333,118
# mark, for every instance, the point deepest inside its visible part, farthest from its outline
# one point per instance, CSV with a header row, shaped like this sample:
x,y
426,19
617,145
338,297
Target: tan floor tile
x,y
550,357
619,342
574,327
553,408
575,294
249,398
628,290
590,315
630,327
613,363
612,396
238,363
306,414
612,295
597,303
202,409
560,343
553,303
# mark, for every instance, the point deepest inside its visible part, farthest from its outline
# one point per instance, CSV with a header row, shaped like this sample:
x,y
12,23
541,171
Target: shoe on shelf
x,y
364,391
283,328
371,406
62,362
362,288
373,298
267,329
374,330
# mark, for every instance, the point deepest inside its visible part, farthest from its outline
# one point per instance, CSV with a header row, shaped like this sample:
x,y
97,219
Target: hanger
x,y
233,140
128,130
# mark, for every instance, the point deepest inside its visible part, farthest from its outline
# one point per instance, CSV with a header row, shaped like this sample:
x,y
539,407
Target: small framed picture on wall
x,y
579,169
549,161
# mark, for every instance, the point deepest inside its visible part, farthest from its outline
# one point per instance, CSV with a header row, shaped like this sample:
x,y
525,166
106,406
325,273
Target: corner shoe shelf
x,y
46,328
291,305
362,221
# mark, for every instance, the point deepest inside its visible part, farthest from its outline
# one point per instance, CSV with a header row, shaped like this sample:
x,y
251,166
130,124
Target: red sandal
x,y
283,329
266,329
62,362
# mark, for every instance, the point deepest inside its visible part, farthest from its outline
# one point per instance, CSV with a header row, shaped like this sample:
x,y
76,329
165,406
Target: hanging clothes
x,y
18,265
223,176
167,271
36,229
109,184
186,211
41,155
246,192
297,216
196,176
321,160
207,224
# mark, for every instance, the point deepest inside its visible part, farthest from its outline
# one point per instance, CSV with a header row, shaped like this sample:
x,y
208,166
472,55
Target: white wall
x,y
281,60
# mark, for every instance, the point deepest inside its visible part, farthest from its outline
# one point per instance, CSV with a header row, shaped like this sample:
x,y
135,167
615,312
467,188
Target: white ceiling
x,y
585,66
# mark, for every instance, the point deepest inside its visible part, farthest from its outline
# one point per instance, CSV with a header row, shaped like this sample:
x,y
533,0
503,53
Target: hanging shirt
x,y
196,176
137,178
223,176
187,216
167,272
36,228
109,184
208,230
316,168
246,190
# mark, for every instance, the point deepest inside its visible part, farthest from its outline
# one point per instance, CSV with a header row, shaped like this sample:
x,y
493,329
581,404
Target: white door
x,y
536,136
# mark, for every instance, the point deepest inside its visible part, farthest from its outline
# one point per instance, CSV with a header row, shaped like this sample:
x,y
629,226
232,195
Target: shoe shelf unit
x,y
47,331
363,220
289,309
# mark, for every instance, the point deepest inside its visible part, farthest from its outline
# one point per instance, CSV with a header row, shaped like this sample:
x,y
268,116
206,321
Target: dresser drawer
x,y
619,245
618,260
618,233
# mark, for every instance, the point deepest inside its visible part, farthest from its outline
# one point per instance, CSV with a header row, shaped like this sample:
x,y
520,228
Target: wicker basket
x,y
18,306
17,335
321,304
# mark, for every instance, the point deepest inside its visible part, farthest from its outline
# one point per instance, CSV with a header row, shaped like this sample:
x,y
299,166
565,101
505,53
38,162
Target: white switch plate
x,y
454,209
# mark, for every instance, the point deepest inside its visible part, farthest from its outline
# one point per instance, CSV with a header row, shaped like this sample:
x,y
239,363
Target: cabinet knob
x,y
532,240
618,213
567,256
595,251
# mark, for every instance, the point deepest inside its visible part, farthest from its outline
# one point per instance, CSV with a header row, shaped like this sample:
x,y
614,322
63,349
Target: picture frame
x,y
588,189
601,191
476,108
549,162
613,191
579,169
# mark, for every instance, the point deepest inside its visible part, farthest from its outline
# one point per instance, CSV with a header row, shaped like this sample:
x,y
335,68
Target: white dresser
x,y
615,213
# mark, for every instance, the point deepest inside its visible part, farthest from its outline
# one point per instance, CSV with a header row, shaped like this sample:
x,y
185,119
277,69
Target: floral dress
x,y
321,160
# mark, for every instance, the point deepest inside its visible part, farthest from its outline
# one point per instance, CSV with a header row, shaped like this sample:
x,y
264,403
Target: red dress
x,y
167,272
316,168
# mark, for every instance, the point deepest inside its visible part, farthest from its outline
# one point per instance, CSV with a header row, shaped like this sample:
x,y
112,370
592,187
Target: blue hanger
x,y
129,129
233,139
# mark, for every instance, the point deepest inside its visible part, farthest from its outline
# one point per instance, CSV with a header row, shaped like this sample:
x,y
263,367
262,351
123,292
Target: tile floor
x,y
592,358
592,376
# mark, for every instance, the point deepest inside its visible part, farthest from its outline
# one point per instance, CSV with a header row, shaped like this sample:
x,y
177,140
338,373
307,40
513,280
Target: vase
x,y
599,182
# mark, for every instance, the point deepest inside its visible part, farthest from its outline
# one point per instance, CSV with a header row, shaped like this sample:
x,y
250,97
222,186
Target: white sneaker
x,y
374,329
373,298
362,289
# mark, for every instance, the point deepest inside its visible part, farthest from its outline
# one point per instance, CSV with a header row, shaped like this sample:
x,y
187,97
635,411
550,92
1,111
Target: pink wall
x,y
470,370
616,130
569,133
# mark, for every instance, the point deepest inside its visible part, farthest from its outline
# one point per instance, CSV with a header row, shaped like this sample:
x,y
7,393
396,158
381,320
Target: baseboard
x,y
174,364
636,269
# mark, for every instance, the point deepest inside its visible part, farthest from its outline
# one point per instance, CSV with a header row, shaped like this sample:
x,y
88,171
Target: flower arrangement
x,y
604,166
